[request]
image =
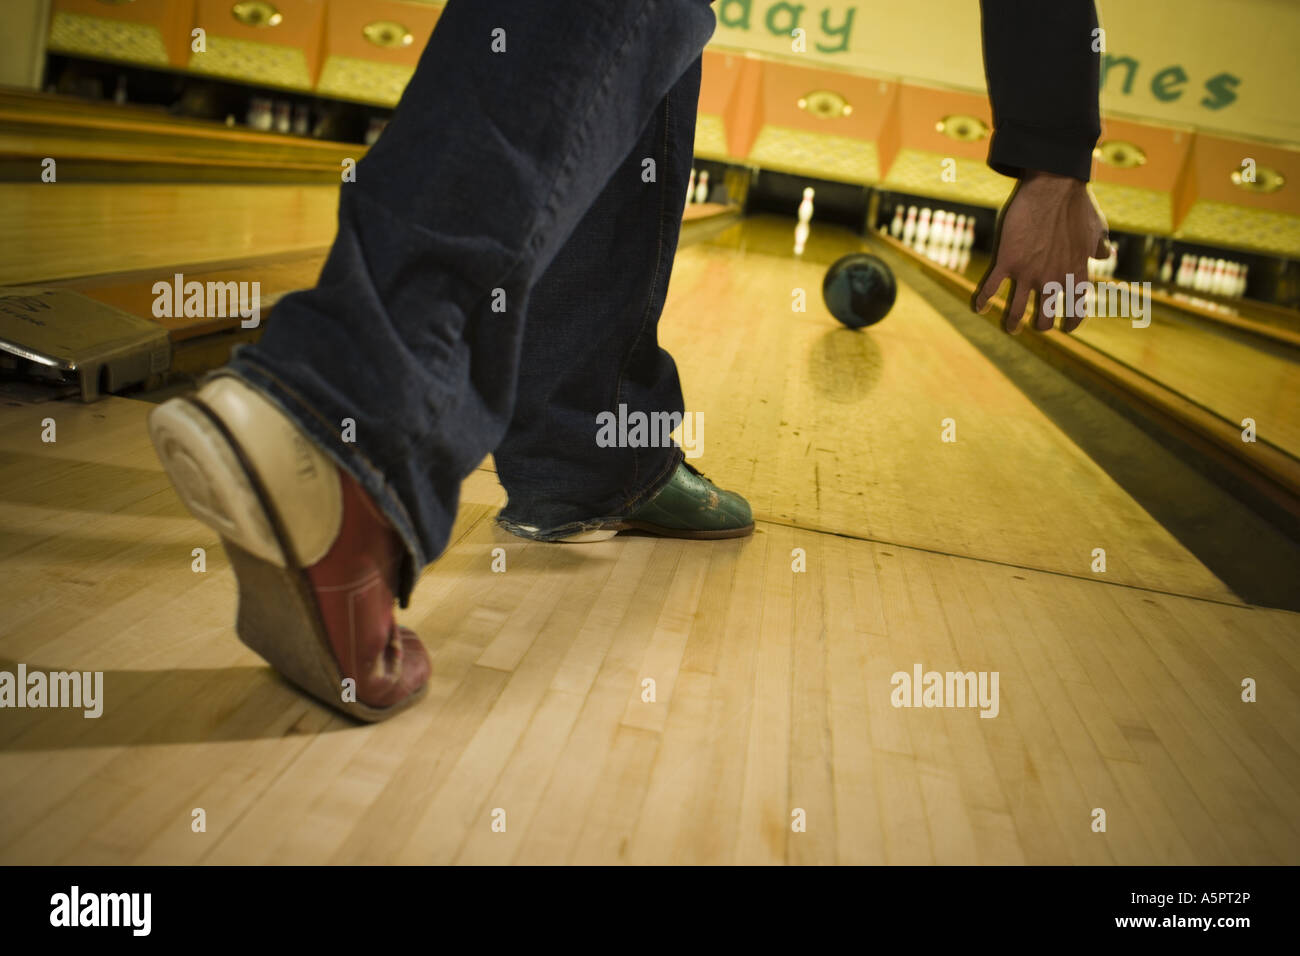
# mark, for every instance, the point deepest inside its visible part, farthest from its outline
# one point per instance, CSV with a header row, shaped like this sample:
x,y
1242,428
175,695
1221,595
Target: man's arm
x,y
1043,79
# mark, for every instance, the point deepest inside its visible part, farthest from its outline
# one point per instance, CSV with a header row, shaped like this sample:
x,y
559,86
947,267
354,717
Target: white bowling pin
x,y
1217,278
800,237
806,205
909,226
896,227
702,186
1167,270
690,189
923,228
1241,282
944,235
970,233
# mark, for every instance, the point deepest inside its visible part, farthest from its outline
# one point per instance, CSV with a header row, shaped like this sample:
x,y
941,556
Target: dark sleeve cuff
x,y
1015,148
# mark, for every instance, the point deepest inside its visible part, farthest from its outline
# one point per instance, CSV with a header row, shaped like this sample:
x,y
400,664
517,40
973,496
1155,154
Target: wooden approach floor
x,y
93,228
1118,691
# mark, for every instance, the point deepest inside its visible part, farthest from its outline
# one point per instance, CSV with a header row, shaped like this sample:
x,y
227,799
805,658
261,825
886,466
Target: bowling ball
x,y
859,289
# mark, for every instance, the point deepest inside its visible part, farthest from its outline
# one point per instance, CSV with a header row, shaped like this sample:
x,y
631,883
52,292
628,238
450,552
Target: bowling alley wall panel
x,y
932,142
822,115
363,50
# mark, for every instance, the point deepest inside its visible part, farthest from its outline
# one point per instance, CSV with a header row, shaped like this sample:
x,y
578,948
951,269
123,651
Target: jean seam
x,y
650,296
535,231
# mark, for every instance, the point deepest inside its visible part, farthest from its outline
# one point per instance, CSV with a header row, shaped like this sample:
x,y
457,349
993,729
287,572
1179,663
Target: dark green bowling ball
x,y
859,289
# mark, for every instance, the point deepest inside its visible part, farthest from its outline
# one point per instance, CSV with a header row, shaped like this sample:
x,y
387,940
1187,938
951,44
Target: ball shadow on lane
x,y
844,365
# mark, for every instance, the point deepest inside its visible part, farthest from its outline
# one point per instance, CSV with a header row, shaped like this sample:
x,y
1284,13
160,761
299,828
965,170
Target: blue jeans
x,y
500,267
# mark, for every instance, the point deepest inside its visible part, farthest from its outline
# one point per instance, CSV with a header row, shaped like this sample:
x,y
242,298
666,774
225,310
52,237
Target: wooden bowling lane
x,y
1207,360
840,431
773,693
64,230
1232,376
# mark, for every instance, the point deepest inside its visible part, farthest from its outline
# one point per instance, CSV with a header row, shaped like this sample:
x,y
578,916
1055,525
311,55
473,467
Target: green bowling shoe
x,y
688,506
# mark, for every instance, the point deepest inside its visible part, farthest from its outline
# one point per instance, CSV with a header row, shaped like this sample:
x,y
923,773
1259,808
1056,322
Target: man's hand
x,y
1050,226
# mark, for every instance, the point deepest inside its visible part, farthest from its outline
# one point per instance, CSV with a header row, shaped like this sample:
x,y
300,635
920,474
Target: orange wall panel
x,y
729,88
346,22
1213,160
1166,153
922,108
301,26
785,85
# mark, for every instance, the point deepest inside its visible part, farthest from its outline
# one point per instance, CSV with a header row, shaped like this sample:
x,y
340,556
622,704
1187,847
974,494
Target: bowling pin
x,y
806,205
800,237
1167,270
1185,271
690,189
943,234
970,233
702,187
945,240
923,228
1241,282
909,226
959,233
1216,277
896,227
1112,262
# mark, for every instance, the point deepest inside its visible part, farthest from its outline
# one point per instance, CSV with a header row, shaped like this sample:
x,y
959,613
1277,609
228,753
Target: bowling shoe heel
x,y
308,550
210,480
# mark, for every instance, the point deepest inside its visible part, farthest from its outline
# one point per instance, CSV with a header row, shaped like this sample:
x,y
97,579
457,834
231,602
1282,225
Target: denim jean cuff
x,y
346,456
554,531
